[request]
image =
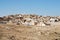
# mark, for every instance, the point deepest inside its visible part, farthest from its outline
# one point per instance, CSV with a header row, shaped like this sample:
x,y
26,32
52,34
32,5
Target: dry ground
x,y
21,32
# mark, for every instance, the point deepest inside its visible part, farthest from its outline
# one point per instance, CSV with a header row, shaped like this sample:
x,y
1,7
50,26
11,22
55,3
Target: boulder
x,y
41,24
53,20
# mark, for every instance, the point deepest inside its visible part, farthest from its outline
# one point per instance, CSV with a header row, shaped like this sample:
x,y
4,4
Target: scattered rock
x,y
29,19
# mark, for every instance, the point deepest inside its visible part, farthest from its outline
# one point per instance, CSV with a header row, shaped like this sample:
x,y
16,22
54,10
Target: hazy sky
x,y
40,7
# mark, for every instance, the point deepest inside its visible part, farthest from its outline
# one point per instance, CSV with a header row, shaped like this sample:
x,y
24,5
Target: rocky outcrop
x,y
29,19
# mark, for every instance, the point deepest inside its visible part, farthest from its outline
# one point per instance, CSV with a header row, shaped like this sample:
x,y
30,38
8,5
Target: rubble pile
x,y
29,27
29,20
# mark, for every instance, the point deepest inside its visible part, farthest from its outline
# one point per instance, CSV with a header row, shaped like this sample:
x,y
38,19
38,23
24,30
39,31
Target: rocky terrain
x,y
29,27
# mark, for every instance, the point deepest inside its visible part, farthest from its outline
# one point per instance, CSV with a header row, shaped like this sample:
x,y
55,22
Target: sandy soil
x,y
21,32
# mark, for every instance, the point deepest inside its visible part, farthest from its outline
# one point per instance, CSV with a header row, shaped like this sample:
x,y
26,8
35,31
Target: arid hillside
x,y
21,32
29,27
